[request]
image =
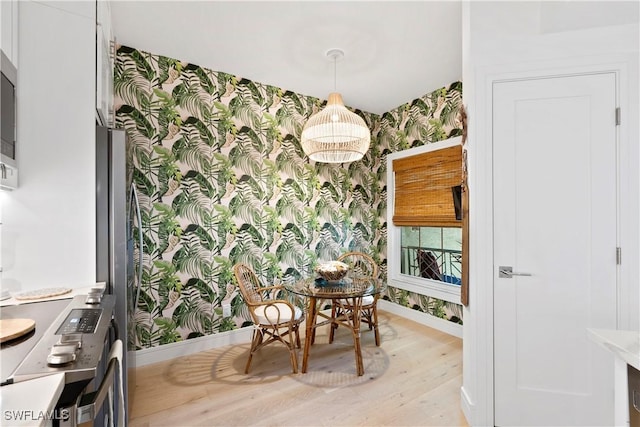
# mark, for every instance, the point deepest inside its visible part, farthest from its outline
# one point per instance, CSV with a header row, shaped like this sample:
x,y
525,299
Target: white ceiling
x,y
395,51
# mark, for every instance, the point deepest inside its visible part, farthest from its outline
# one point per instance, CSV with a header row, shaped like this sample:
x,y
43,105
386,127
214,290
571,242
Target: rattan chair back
x,y
249,284
360,265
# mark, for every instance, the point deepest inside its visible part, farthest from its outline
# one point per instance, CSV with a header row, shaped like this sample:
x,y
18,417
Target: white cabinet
x,y
104,64
9,29
48,223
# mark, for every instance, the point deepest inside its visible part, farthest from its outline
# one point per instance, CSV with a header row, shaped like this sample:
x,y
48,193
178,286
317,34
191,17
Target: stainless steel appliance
x,y
8,90
118,237
76,336
76,343
13,352
73,343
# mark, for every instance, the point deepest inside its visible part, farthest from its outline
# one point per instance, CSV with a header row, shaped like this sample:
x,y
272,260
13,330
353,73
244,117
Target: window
x,y
425,219
432,253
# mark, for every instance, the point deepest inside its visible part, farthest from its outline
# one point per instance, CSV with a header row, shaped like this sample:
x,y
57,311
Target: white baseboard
x,y
467,406
426,319
161,353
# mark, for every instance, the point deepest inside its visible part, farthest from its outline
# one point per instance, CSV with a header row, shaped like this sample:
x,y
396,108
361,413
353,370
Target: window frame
x,y
419,285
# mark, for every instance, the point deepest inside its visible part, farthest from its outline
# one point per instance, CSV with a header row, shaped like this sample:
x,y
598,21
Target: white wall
x,y
48,230
514,37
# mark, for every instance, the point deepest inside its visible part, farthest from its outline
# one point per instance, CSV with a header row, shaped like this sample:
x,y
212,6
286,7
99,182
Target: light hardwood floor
x,y
412,379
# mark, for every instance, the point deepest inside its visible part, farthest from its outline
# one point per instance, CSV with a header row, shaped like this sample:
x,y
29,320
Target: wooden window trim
x,y
395,278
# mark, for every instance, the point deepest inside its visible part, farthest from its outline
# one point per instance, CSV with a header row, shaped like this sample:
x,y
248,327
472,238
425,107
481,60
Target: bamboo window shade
x,y
423,188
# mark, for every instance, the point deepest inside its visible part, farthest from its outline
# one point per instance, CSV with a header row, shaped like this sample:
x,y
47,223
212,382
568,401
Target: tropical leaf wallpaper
x,y
222,179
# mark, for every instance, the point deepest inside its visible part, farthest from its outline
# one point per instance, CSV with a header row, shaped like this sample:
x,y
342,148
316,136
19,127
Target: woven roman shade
x,y
423,188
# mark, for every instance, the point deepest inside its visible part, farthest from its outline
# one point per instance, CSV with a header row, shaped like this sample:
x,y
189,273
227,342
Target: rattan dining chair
x,y
275,319
360,265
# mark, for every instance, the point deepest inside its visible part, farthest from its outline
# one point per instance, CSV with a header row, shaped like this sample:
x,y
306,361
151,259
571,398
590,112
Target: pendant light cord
x,y
335,73
335,54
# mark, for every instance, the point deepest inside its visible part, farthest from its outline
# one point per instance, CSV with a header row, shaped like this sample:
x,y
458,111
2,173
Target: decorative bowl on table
x,y
332,271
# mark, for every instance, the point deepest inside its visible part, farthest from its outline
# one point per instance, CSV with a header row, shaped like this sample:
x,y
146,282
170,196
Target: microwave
x,y
8,85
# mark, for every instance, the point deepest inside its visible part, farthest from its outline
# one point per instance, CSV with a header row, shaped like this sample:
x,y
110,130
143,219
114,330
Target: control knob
x,y
62,353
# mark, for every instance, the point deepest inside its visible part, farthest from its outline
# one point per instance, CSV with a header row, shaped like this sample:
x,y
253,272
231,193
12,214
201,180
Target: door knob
x,y
507,272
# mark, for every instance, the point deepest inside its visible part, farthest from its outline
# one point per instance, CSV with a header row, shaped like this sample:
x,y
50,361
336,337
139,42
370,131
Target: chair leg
x,y
294,361
333,326
297,329
374,309
255,342
368,317
246,368
313,331
292,349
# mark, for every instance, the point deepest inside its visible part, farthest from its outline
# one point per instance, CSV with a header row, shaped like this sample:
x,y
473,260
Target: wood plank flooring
x,y
412,379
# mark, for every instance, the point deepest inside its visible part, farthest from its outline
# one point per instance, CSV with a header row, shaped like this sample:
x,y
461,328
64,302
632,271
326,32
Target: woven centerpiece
x,y
333,270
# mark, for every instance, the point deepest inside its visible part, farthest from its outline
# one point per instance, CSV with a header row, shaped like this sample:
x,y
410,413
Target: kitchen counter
x,y
624,344
43,313
31,403
78,291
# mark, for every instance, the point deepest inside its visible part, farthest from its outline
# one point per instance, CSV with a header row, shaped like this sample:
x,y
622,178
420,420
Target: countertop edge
x,y
68,295
624,344
40,409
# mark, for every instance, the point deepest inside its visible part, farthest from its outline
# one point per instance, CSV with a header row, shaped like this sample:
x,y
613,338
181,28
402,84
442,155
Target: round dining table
x,y
347,293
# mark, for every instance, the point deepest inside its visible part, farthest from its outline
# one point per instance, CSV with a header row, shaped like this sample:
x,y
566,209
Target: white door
x,y
554,154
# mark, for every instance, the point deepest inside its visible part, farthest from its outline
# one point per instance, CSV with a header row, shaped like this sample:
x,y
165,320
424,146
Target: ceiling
x,y
395,51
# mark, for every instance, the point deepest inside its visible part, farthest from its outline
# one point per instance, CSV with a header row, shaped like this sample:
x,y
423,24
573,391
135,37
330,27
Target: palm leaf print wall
x,y
222,179
433,117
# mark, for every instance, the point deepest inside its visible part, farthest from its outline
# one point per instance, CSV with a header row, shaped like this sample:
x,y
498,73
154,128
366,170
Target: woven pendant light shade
x,y
335,134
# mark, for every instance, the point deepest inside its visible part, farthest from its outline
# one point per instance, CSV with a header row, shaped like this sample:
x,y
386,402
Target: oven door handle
x,y
89,404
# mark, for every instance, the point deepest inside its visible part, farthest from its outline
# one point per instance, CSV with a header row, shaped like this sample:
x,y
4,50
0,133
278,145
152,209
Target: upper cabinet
x,y
104,64
48,224
9,29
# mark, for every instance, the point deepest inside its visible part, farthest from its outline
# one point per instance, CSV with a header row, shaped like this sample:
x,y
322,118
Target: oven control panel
x,y
73,344
80,320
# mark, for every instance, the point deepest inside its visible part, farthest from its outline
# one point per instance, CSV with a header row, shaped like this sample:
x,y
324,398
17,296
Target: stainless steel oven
x,y
78,343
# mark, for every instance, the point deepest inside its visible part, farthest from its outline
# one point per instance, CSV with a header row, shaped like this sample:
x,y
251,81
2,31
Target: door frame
x,y
478,401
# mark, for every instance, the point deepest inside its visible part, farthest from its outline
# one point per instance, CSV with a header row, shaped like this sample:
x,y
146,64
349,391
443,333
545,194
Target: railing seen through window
x,y
432,253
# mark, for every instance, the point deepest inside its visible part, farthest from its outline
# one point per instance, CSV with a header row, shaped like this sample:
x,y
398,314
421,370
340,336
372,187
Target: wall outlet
x,y
226,309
